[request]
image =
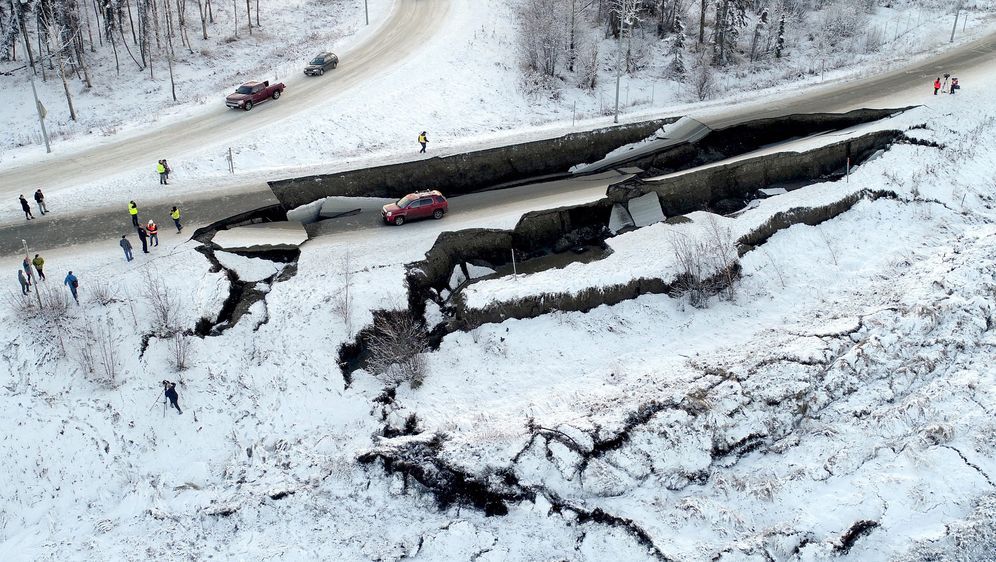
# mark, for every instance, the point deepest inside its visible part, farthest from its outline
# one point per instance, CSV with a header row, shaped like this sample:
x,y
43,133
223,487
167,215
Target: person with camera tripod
x,y
169,388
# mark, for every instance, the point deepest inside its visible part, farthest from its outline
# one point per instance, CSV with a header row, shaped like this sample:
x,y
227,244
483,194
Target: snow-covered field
x,y
838,406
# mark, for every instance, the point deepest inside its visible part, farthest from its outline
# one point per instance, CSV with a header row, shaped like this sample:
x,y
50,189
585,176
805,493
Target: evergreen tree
x,y
677,52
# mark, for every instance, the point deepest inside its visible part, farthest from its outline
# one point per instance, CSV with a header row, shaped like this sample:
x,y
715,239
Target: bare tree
x,y
702,79
587,73
202,10
543,35
54,34
164,302
179,347
578,11
396,347
343,300
95,351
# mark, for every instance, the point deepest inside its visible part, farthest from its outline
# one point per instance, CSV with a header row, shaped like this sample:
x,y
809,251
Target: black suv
x,y
321,63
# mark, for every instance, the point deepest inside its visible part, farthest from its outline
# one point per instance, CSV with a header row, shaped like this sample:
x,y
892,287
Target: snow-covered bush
x,y
395,349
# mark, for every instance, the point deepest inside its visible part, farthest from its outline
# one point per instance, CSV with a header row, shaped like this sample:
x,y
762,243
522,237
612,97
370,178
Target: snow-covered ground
x,y
846,389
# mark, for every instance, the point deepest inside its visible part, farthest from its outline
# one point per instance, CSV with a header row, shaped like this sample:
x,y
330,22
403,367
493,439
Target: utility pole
x,y
955,27
38,105
366,11
37,281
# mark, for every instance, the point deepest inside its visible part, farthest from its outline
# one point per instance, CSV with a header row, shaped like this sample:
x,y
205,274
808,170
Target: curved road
x,y
909,85
410,23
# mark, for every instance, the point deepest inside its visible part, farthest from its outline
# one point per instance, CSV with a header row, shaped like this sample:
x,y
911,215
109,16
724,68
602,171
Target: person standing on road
x,y
39,263
40,199
25,283
954,85
142,236
175,215
161,170
73,283
26,208
423,140
126,246
169,389
937,85
153,229
168,169
133,211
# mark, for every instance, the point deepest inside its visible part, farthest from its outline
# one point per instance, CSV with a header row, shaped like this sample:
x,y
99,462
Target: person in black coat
x,y
143,237
170,389
26,208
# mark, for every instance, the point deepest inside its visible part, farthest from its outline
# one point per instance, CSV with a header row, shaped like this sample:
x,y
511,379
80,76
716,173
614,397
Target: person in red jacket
x,y
152,229
937,85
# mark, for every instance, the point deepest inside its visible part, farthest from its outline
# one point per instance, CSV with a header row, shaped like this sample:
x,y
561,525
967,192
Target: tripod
x,y
156,402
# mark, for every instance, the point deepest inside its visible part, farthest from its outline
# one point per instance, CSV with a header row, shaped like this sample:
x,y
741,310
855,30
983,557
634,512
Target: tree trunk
x,y
41,63
85,15
181,9
235,16
27,40
257,13
131,24
155,27
572,50
86,69
124,41
96,15
172,83
702,23
114,47
54,37
204,28
249,16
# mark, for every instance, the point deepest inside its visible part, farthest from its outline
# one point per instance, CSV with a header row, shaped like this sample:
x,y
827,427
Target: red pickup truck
x,y
252,93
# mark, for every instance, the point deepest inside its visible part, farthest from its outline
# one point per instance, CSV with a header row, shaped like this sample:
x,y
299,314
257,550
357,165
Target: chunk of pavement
x,y
262,237
646,210
619,218
477,271
248,269
338,207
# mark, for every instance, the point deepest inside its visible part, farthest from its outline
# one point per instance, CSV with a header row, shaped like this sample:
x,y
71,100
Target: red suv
x,y
414,206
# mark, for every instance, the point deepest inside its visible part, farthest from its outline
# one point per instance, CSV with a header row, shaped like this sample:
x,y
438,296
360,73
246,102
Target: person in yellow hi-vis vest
x,y
133,211
161,170
175,215
423,140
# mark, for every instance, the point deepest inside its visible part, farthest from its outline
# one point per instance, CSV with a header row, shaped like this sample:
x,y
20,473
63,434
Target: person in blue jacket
x,y
73,283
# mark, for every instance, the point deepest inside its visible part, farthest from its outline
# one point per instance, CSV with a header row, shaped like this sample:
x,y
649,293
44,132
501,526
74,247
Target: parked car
x,y
415,206
253,93
321,63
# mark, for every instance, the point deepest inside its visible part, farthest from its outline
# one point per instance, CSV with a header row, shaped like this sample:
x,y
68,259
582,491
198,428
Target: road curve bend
x,y
410,24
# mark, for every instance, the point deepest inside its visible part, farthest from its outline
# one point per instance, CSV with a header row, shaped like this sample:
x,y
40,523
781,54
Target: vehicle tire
x,y
247,106
321,71
398,221
335,64
276,94
437,214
